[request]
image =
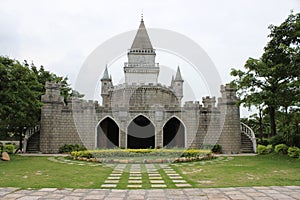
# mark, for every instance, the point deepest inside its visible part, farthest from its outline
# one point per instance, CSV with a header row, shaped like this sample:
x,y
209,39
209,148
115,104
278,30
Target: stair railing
x,y
29,132
250,134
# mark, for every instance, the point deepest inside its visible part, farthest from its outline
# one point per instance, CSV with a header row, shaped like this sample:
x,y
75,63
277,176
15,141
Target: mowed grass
x,y
261,170
39,172
266,170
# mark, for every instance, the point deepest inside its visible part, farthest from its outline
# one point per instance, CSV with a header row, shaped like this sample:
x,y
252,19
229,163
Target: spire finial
x,y
142,16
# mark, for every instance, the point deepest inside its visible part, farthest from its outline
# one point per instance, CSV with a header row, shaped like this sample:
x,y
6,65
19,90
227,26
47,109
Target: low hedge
x,y
67,148
111,153
9,148
281,148
262,149
294,152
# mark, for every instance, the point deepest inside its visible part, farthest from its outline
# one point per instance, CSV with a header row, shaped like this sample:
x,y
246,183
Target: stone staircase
x,y
32,140
248,140
246,144
33,143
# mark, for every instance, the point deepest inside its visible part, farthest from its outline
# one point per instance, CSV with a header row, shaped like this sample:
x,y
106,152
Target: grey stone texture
x,y
77,121
273,192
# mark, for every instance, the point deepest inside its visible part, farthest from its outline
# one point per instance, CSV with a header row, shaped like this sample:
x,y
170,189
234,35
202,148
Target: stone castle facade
x,y
141,113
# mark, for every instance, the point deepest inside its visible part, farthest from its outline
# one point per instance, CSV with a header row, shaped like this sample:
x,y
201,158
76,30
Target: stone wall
x,y
77,121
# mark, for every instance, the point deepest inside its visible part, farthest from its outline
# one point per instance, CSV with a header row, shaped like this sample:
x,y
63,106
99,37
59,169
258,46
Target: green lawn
x,y
266,170
261,170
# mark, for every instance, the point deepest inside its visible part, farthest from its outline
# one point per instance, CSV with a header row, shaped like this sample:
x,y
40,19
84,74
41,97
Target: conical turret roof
x,y
141,40
178,75
105,74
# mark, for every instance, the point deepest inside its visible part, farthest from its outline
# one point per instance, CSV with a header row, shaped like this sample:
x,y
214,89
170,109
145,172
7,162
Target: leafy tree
x,y
21,87
19,94
273,80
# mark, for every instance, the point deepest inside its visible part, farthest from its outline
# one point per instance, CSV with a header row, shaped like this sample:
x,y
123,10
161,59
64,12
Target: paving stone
x,y
135,174
155,178
157,181
175,177
158,185
153,174
239,196
134,186
179,181
109,185
136,197
111,181
183,185
91,196
135,177
134,181
12,196
71,198
114,177
174,174
48,189
29,198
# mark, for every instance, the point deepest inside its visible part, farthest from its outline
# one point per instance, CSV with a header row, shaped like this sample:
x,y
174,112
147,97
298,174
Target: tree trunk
x,y
21,139
272,121
260,123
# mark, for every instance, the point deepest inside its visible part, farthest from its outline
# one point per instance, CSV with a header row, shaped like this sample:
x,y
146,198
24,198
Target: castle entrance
x,y
174,133
140,133
107,134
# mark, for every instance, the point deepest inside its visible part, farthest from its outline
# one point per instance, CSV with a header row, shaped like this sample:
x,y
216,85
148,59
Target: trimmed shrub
x,y
67,148
262,149
9,148
117,153
269,148
217,148
294,152
281,148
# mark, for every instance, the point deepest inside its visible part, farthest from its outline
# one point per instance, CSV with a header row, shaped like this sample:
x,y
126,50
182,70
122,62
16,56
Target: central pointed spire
x,y
141,40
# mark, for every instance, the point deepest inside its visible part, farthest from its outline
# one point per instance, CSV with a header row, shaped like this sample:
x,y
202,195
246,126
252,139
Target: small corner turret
x,y
106,84
178,84
52,94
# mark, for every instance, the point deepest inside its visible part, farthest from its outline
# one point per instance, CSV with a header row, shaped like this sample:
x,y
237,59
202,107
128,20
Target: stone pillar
x,y
230,137
50,116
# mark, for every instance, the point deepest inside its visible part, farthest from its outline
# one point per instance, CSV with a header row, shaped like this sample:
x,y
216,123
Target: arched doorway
x,y
140,133
173,133
107,134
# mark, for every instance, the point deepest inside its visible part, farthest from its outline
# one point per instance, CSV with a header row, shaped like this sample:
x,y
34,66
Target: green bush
x,y
9,148
263,141
281,148
168,153
269,148
262,149
1,147
277,139
294,152
67,148
217,148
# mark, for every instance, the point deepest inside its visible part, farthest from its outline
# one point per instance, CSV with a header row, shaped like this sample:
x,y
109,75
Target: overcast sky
x,y
61,34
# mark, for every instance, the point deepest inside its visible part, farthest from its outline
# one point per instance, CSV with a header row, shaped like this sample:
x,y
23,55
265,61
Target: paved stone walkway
x,y
138,176
259,193
157,175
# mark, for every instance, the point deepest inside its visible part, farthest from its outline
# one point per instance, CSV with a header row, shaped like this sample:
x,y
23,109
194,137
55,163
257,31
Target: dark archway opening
x,y
107,134
140,133
173,134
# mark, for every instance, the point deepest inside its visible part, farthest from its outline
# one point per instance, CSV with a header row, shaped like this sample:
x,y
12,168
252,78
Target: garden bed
x,y
125,156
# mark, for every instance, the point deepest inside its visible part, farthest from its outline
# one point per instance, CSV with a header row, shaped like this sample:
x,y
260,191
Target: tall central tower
x,y
141,67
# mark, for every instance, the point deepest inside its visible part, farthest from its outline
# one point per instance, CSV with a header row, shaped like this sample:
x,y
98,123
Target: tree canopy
x,y
272,81
21,87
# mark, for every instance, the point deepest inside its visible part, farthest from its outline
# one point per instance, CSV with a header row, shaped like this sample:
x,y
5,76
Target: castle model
x,y
140,113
